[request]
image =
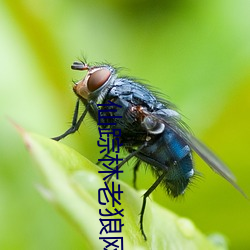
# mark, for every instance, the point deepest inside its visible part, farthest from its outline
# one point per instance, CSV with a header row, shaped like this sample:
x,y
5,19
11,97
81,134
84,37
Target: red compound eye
x,y
97,79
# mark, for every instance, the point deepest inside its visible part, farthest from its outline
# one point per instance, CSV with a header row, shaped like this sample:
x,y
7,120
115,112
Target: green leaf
x,y
72,184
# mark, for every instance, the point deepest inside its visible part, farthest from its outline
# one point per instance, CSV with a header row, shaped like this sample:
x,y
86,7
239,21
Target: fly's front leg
x,y
75,123
145,196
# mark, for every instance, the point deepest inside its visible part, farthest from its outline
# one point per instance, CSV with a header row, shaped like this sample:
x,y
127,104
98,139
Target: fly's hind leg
x,y
145,196
136,167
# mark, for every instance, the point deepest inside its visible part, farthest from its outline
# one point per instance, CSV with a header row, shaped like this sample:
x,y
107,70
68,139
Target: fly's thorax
x,y
94,85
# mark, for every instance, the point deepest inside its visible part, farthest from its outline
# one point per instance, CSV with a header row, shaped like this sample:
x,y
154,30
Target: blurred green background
x,y
196,52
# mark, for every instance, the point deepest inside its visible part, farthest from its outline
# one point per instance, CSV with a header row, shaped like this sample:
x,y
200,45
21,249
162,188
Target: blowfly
x,y
151,129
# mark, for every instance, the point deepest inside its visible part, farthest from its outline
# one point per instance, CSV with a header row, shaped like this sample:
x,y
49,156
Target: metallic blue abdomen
x,y
170,153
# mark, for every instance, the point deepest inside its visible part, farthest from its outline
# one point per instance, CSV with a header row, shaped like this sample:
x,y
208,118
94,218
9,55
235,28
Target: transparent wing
x,y
208,156
175,124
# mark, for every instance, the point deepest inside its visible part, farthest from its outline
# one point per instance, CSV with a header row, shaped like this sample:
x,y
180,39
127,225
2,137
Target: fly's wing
x,y
175,124
212,160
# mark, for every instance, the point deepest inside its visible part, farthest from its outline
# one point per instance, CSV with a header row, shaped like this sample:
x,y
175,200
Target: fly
x,y
151,129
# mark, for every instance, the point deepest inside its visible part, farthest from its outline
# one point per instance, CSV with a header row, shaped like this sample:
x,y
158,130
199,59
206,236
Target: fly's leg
x,y
136,167
98,162
128,158
145,196
75,123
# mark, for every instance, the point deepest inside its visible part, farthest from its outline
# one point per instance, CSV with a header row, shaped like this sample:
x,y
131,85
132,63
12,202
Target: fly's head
x,y
96,79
